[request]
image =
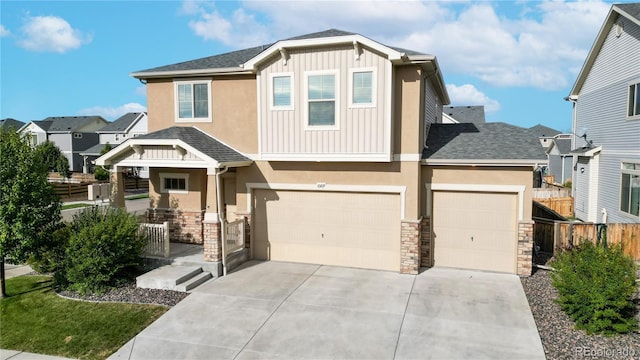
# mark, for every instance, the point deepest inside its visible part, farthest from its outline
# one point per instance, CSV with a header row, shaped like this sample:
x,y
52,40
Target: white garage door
x,y
333,228
475,230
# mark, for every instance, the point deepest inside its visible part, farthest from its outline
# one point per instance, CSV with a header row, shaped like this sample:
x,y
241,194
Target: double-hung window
x,y
193,101
174,183
633,102
322,98
362,85
282,91
630,189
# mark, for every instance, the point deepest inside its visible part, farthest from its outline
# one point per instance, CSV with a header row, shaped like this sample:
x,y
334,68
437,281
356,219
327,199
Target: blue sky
x,y
64,58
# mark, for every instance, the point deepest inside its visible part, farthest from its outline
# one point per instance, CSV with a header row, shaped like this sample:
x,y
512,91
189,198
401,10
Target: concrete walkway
x,y
273,310
21,355
11,271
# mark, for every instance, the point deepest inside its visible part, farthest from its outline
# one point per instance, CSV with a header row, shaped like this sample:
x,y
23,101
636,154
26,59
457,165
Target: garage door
x,y
333,228
475,230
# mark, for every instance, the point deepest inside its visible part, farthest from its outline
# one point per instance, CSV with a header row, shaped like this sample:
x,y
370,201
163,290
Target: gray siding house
x,y
606,122
72,134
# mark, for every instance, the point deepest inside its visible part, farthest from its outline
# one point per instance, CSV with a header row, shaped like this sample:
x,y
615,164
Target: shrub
x,y
104,249
50,257
596,284
100,173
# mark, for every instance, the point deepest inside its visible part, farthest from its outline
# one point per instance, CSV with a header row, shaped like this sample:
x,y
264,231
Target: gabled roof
x,y
208,148
563,144
245,61
628,11
466,114
11,123
544,131
489,143
94,150
122,124
65,124
43,124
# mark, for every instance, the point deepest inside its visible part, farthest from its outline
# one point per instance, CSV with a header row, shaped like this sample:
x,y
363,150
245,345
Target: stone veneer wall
x,y
409,247
425,242
184,226
212,241
525,248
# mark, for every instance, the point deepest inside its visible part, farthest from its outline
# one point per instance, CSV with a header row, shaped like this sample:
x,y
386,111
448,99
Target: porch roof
x,y
195,149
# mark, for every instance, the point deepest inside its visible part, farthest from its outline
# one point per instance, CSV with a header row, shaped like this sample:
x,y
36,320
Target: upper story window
x,y
282,91
193,101
362,87
630,189
77,135
633,109
176,183
322,98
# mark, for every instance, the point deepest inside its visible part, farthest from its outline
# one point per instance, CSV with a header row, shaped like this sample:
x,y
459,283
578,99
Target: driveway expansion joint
x,y
404,314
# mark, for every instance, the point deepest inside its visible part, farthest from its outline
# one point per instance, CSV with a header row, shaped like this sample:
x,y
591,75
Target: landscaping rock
x,y
129,293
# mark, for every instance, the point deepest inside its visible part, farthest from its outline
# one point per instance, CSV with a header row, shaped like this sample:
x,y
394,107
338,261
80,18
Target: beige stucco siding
x,y
408,110
480,176
234,105
357,130
193,200
366,175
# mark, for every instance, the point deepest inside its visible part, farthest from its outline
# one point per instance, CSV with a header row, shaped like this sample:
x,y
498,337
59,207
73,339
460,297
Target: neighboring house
x,y
72,134
129,125
463,114
9,123
560,158
606,122
319,142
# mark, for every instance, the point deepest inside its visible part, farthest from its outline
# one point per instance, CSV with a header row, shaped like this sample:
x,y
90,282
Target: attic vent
x,y
619,28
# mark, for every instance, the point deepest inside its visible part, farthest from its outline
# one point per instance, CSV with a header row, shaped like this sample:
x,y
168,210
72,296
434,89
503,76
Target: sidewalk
x,y
21,355
11,271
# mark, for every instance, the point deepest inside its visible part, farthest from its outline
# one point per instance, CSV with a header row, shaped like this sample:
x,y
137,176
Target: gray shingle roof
x,y
43,124
202,142
466,114
120,124
95,149
70,123
564,145
488,141
235,58
9,122
542,130
632,9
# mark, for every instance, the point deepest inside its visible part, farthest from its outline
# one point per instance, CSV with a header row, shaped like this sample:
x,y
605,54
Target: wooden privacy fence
x,y
136,184
563,205
552,235
546,193
71,190
157,239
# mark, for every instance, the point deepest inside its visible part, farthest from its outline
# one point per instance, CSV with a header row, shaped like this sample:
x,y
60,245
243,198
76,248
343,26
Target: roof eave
x,y
484,162
190,73
430,63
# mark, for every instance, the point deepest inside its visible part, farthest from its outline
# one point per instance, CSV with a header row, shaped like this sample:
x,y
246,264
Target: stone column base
x,y
409,247
525,248
425,242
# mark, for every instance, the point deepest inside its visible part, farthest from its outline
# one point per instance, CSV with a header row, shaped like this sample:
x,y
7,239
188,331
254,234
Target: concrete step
x,y
194,282
167,277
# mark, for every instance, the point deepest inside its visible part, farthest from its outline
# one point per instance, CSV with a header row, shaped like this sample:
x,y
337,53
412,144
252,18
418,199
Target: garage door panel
x,y
475,230
343,229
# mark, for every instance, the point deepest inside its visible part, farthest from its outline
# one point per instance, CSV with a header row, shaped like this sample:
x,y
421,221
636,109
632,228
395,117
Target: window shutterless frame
x,y
630,188
322,100
362,87
192,101
281,91
633,100
174,183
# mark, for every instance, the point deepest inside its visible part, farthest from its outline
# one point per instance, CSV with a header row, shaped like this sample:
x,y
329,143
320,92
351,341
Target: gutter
x,y
221,216
487,162
195,72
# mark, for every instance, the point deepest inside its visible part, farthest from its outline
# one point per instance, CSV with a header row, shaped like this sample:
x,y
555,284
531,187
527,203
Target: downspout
x,y
221,216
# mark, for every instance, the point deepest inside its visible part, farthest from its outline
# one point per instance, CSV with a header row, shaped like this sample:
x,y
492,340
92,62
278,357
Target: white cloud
x,y
112,113
4,31
467,94
530,44
51,33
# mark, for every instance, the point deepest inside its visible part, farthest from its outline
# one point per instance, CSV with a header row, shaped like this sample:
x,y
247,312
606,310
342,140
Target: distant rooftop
x,y
466,114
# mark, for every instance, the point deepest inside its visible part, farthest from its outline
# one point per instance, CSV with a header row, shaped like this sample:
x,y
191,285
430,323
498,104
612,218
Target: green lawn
x,y
34,319
73,206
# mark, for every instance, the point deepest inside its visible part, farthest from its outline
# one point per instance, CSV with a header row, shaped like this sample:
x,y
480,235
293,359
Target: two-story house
x,y
323,143
129,125
72,134
606,122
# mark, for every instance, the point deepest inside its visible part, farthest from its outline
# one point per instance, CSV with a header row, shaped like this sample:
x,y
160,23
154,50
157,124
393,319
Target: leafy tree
x,y
100,173
53,158
29,210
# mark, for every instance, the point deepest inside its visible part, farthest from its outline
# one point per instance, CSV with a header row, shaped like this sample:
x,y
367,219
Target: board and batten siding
x,y
359,131
602,110
157,153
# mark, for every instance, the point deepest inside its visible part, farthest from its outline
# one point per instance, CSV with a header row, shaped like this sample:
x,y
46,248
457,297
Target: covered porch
x,y
188,170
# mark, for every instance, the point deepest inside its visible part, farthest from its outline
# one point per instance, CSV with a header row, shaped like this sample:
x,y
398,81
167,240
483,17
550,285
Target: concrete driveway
x,y
274,310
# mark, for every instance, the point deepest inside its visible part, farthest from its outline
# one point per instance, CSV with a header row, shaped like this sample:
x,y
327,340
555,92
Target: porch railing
x,y
157,239
235,235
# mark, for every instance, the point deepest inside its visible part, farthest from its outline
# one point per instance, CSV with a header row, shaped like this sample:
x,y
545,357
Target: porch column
x,y
116,197
212,227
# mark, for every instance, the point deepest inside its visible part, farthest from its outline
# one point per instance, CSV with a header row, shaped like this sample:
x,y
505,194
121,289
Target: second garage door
x,y
475,230
332,228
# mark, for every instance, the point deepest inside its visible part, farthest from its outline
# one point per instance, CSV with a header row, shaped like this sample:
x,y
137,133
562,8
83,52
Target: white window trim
x,y
630,172
336,125
176,103
184,176
626,110
291,94
374,87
